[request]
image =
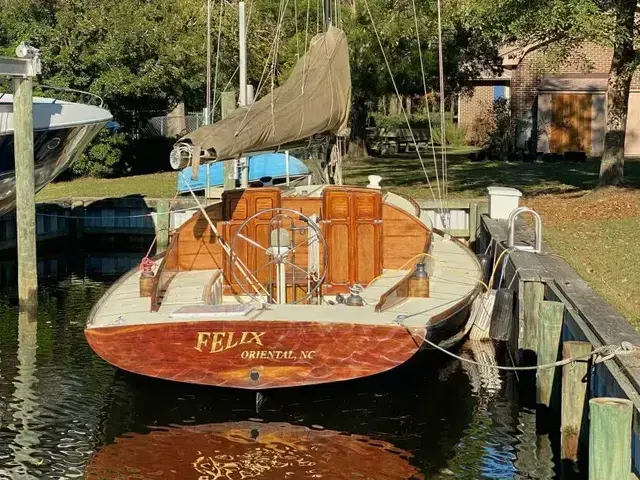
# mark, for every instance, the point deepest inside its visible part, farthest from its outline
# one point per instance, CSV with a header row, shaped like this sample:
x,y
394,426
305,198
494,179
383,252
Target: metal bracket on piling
x,y
512,231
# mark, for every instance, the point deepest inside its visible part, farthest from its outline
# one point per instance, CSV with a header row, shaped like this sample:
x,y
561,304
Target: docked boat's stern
x,y
255,354
266,291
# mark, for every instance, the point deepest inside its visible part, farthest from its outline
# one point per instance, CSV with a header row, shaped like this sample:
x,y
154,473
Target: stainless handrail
x,y
511,244
100,100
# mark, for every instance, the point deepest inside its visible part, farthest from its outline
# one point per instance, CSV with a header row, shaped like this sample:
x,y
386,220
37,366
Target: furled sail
x,y
315,99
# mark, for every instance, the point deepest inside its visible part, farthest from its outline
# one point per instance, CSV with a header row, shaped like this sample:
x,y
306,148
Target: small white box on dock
x,y
503,201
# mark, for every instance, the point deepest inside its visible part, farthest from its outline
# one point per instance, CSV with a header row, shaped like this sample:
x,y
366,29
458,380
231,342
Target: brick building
x,y
555,110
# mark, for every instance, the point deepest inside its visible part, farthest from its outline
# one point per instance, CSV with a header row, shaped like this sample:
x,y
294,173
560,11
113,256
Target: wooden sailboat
x,y
270,288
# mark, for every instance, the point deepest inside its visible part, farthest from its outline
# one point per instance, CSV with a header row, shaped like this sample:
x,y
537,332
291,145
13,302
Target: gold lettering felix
x,y
221,341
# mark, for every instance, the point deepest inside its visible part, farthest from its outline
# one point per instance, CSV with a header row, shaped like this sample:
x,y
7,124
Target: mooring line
x,y
194,209
600,354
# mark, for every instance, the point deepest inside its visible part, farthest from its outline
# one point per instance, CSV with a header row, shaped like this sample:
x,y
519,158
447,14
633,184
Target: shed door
x,y
571,122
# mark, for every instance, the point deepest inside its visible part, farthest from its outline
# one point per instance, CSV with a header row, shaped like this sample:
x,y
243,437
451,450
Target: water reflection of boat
x,y
244,450
62,130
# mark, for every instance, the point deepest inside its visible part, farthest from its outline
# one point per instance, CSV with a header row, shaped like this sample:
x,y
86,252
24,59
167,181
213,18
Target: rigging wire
x,y
208,92
443,131
404,112
263,76
295,13
283,8
215,77
426,99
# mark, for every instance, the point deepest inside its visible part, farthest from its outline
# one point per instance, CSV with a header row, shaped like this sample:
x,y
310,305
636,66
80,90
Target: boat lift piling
x,y
22,70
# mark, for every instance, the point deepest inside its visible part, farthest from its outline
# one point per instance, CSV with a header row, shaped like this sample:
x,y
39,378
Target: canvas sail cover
x,y
315,99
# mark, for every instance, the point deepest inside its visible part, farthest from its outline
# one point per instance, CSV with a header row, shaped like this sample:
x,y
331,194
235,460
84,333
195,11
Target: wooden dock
x,y
559,315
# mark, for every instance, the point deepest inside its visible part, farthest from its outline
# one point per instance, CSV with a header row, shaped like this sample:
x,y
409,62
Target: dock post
x,y
610,439
473,222
574,394
25,193
162,225
549,341
533,295
228,105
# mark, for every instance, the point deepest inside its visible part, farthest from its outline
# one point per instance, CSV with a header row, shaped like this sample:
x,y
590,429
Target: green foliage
x,y
102,158
454,134
416,120
144,57
500,139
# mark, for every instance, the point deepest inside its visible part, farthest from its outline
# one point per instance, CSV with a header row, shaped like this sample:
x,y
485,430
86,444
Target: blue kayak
x,y
268,165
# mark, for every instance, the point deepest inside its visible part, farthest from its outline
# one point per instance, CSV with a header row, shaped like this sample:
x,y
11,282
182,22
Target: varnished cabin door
x,y
571,122
353,230
238,206
338,214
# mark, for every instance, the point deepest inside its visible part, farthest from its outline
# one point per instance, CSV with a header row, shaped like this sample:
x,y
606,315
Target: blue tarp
x,y
268,165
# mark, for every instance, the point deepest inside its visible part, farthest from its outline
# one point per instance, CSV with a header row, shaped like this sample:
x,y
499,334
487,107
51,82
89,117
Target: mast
x,y
207,107
244,161
243,54
328,15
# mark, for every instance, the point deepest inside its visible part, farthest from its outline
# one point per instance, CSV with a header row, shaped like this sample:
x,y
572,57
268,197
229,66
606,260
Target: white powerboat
x,y
62,130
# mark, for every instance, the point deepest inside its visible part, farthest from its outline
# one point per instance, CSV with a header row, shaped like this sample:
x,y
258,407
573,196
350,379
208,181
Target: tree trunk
x,y
358,140
623,65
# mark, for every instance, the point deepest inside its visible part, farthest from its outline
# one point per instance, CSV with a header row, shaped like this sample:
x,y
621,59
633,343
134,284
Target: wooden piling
x,y
162,225
610,439
533,294
549,340
25,193
574,392
473,222
502,316
228,102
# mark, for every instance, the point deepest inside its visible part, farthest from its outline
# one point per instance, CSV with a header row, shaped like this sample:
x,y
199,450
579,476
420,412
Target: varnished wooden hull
x,y
250,450
255,354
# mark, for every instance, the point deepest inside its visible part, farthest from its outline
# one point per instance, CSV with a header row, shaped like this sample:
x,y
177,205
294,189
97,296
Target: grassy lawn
x,y
595,232
469,180
607,255
154,185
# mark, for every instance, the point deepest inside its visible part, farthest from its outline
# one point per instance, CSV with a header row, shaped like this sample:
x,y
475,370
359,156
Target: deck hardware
x,y
400,319
512,231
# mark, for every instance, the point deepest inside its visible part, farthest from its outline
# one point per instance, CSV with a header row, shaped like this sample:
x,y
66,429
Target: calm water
x,y
64,413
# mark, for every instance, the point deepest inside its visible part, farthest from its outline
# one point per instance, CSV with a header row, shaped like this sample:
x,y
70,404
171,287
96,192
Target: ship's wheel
x,y
279,255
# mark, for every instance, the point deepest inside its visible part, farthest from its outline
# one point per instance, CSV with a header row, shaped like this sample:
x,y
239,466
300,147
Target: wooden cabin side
x,y
364,235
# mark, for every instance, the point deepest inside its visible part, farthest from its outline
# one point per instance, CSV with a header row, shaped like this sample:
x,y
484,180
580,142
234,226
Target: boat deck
x,y
454,275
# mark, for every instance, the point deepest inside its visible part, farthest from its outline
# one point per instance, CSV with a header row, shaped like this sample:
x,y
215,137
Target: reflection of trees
x,y
51,421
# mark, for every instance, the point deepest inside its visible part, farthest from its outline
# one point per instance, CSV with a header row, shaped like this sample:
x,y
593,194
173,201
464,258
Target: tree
x,y
624,64
142,58
467,52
